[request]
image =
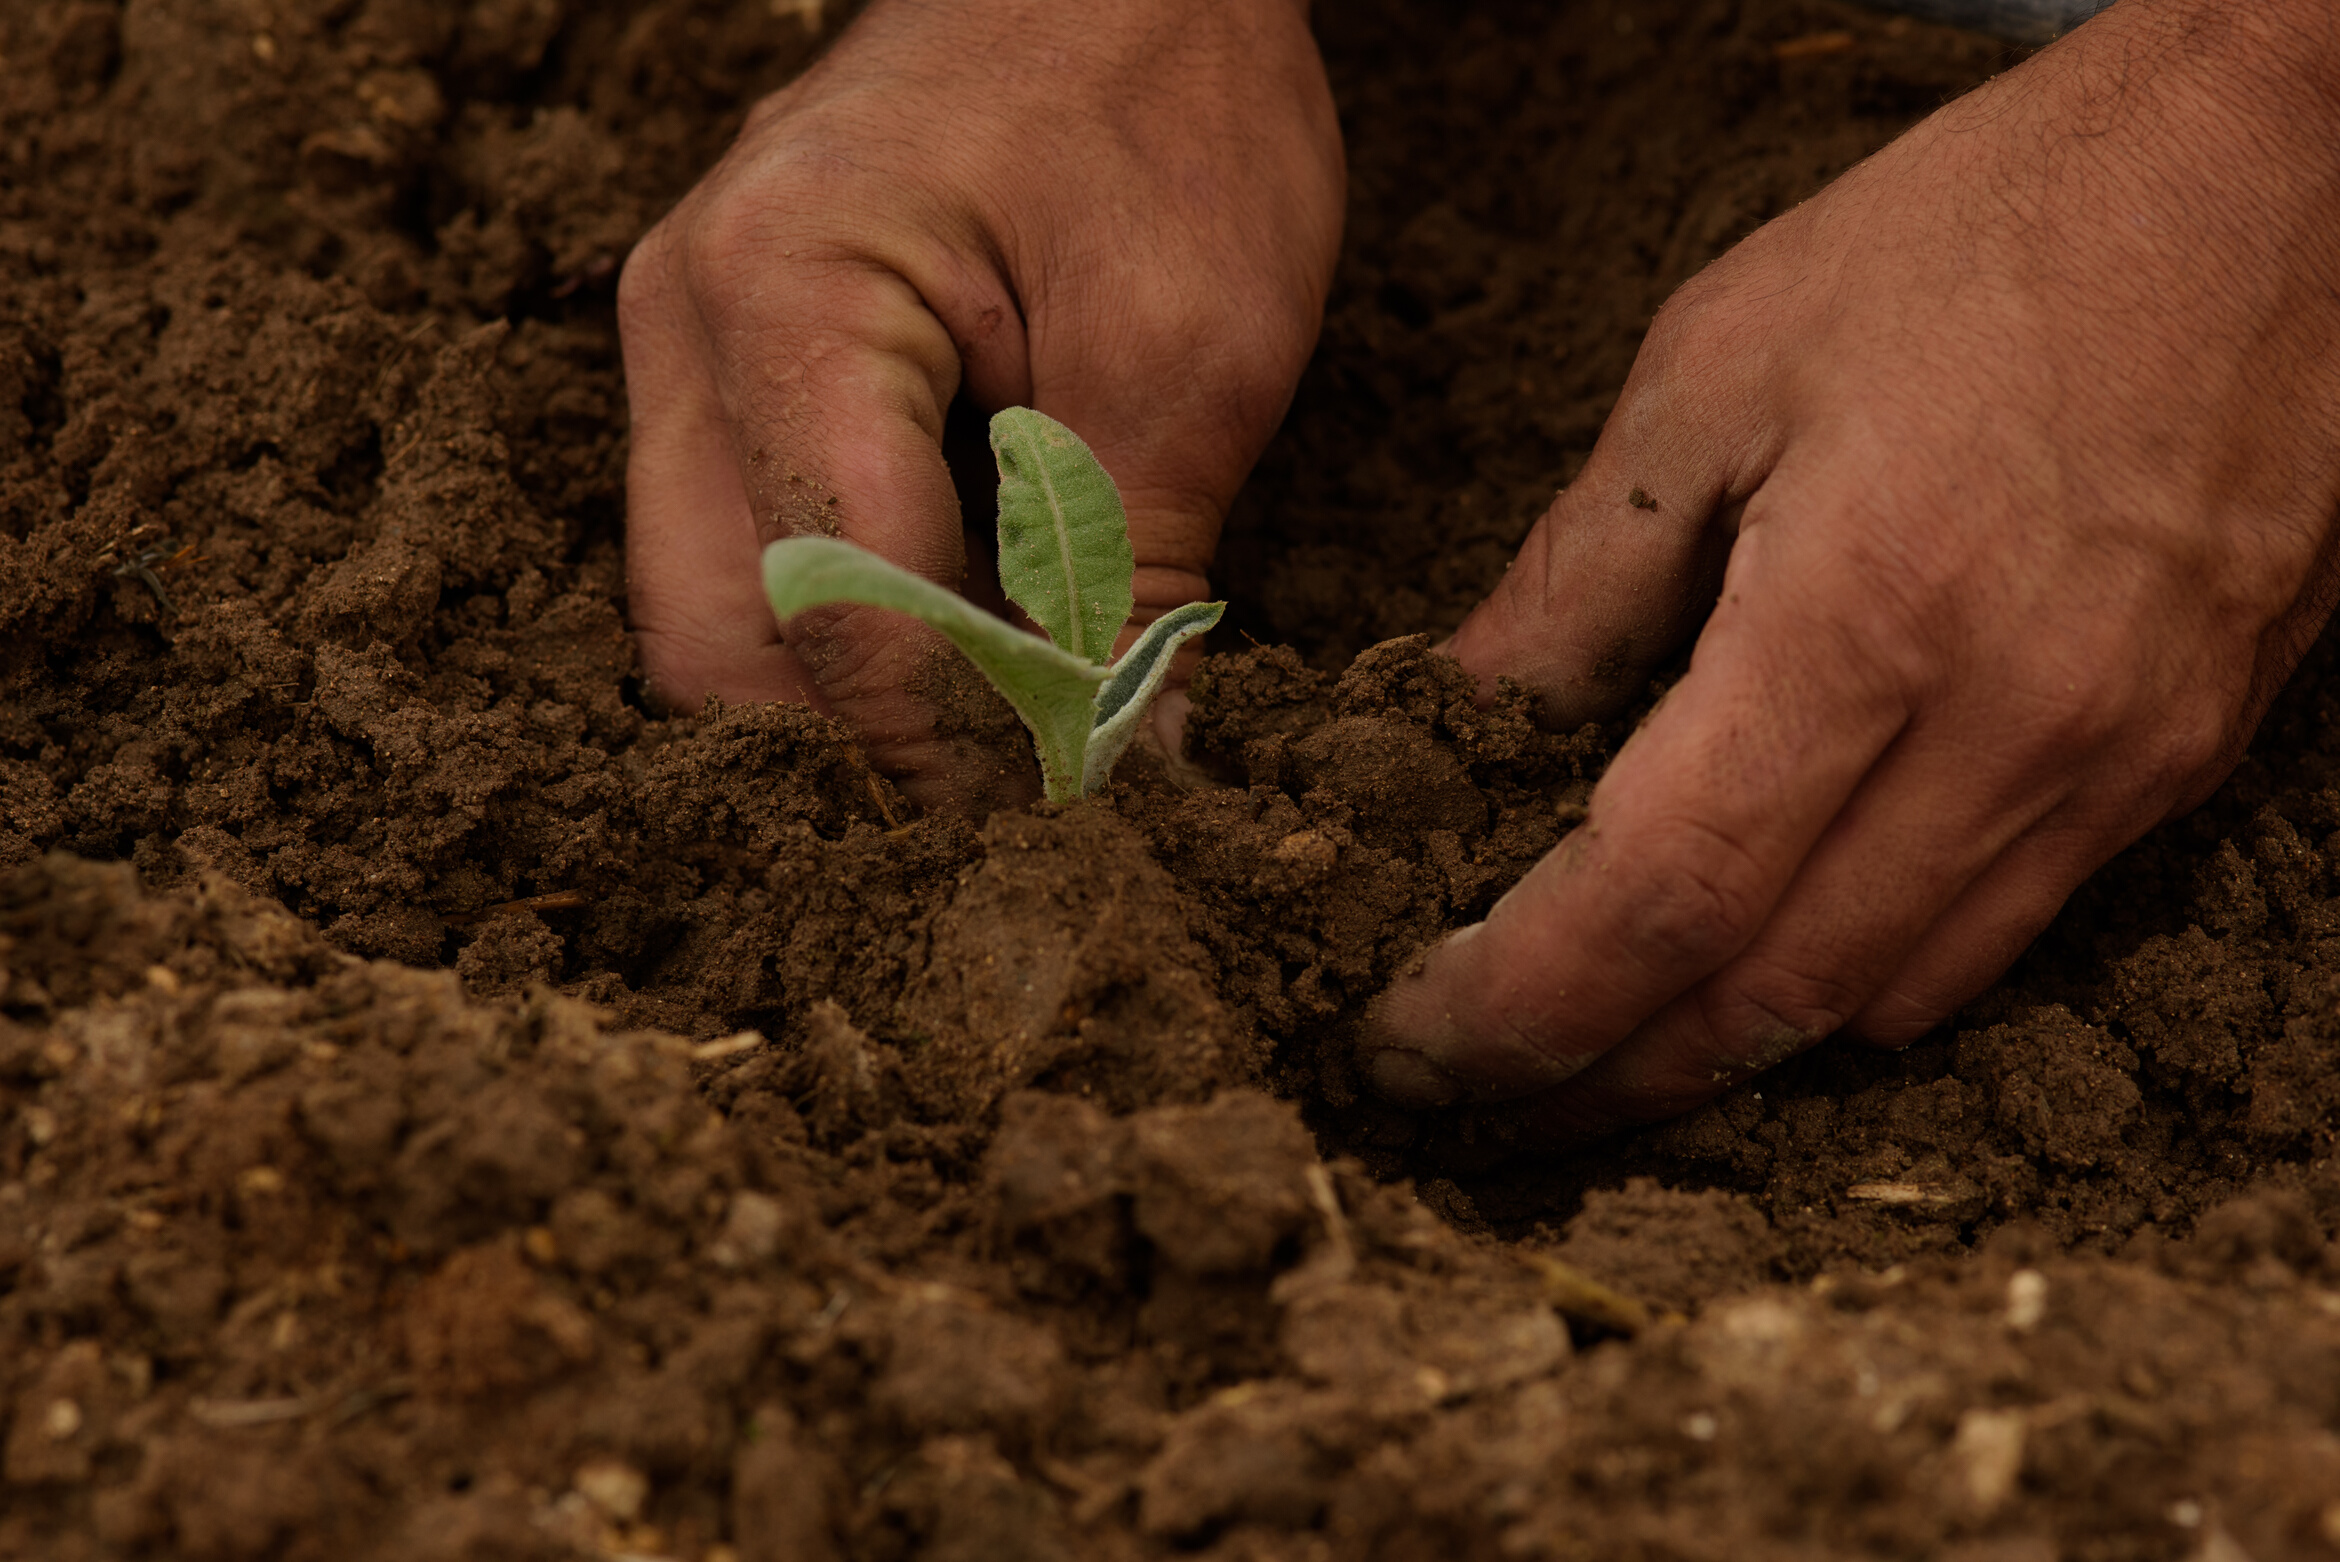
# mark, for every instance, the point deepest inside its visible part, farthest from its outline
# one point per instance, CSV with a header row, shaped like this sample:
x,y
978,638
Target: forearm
x,y
2229,112
2272,59
2169,173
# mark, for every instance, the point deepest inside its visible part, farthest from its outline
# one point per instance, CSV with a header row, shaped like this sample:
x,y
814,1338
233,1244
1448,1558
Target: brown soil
x,y
449,1110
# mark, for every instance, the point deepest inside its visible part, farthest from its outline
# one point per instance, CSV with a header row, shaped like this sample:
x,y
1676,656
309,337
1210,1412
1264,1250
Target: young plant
x,y
1065,559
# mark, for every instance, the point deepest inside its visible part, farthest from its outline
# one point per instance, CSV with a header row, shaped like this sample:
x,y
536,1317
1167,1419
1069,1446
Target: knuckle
x,y
2076,717
645,281
722,244
1684,320
1697,896
1166,579
1765,1013
2058,694
2075,703
1902,1013
769,110
2196,735
800,200
1699,324
1892,1028
1530,1044
838,643
856,655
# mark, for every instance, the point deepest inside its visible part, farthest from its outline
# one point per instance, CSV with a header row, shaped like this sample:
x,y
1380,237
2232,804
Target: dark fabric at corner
x,y
2029,21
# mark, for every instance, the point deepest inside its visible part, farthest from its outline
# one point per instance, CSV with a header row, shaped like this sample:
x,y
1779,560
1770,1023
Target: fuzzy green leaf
x,y
1053,691
1064,554
1137,678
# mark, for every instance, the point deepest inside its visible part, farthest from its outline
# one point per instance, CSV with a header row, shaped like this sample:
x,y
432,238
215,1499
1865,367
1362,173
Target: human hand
x,y
2022,442
1121,212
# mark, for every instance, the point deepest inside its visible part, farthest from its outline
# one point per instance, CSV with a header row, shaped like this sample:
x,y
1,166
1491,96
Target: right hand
x,y
2022,440
1124,213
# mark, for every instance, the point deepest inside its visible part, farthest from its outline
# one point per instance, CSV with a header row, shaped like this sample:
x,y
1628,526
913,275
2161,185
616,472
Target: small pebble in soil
x,y
2027,1294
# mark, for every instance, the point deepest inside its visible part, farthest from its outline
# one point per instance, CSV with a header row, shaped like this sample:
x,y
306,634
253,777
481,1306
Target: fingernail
x,y
1407,1078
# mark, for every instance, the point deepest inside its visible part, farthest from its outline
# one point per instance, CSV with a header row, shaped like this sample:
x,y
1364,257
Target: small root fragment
x,y
1572,1293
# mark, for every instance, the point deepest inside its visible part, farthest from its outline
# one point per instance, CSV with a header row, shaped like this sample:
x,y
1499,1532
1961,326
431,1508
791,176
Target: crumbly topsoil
x,y
449,1109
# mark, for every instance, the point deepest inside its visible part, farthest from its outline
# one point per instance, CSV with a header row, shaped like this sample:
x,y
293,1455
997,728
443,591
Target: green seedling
x,y
1065,559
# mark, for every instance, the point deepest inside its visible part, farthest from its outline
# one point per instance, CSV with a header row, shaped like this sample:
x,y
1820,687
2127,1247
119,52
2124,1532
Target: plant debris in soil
x,y
449,1108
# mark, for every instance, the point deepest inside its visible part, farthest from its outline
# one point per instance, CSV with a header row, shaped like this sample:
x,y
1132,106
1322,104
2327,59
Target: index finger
x,y
1695,832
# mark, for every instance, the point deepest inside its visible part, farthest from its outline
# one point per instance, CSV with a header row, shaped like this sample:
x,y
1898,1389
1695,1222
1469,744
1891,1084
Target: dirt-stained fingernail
x,y
1406,1078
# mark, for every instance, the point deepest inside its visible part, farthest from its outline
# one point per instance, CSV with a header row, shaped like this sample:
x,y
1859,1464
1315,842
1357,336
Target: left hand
x,y
1124,213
